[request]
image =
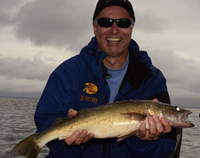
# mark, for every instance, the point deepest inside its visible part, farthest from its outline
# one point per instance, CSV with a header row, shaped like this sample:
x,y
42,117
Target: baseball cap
x,y
122,3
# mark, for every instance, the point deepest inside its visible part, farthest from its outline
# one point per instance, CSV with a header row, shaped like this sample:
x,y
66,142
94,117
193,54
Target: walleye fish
x,y
119,119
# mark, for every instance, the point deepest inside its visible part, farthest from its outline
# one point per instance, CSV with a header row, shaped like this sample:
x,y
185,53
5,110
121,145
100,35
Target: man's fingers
x,y
72,113
167,127
71,139
155,99
80,138
159,126
88,137
142,131
77,137
152,127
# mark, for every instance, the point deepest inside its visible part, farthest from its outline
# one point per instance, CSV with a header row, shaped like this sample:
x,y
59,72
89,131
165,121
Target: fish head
x,y
176,116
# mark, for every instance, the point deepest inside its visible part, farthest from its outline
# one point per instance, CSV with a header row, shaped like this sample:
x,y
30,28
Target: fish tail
x,y
28,147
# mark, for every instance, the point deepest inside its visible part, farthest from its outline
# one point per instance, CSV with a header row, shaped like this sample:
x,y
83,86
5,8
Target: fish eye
x,y
177,108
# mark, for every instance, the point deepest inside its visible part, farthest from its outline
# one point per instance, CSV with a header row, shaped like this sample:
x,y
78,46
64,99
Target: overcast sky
x,y
37,35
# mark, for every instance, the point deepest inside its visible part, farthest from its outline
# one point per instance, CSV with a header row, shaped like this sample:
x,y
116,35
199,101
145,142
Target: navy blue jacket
x,y
80,82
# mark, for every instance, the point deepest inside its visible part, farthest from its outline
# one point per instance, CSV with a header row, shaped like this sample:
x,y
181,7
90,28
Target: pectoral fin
x,y
134,116
122,137
61,138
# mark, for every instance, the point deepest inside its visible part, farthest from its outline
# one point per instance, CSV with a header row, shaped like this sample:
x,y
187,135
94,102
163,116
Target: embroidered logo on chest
x,y
90,88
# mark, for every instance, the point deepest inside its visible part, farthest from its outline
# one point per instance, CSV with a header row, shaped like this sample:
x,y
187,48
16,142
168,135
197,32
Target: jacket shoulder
x,y
69,65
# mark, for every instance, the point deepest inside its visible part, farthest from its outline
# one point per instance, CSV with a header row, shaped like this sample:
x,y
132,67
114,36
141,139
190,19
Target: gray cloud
x,y
26,69
186,102
8,9
23,77
182,73
50,22
4,15
149,22
193,3
21,87
3,18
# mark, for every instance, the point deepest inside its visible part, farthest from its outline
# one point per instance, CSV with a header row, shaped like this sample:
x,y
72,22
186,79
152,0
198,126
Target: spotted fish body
x,y
119,119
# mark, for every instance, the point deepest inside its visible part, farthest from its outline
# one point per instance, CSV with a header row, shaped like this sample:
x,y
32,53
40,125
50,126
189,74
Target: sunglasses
x,y
108,22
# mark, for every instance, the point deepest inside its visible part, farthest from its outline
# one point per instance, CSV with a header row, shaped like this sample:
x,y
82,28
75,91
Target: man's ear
x,y
132,25
94,28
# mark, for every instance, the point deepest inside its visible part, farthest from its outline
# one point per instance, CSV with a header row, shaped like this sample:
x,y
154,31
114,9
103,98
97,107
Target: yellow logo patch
x,y
90,88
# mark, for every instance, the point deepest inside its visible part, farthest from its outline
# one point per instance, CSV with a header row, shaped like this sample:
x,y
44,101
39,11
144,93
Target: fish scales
x,y
119,119
104,121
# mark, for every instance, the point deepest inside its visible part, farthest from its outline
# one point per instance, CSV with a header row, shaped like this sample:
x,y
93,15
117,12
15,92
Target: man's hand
x,y
77,137
157,127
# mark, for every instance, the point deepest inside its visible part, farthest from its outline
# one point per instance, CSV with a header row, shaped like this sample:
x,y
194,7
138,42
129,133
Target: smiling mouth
x,y
113,39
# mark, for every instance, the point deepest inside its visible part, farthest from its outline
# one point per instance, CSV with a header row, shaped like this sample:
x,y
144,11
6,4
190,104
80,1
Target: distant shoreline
x,y
18,97
38,100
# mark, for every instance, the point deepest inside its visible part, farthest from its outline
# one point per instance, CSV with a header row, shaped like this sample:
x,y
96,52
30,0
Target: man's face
x,y
114,41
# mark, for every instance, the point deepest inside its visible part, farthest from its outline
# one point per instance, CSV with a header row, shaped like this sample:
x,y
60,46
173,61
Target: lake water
x,y
16,123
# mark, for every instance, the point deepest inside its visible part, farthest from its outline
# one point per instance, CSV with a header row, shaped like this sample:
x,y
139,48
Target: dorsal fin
x,y
81,111
64,119
60,120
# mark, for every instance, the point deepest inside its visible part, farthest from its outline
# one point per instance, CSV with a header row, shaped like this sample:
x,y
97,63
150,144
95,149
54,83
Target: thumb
x,y
72,113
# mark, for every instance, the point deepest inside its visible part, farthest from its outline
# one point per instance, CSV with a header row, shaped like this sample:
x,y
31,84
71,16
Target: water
x,y
16,123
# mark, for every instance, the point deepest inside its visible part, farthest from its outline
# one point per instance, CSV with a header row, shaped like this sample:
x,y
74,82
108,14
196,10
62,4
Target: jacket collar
x,y
137,69
138,72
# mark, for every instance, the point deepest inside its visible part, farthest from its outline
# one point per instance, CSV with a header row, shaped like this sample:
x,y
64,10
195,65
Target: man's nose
x,y
114,28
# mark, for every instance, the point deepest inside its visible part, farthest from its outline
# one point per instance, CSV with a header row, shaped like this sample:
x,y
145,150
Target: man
x,y
110,68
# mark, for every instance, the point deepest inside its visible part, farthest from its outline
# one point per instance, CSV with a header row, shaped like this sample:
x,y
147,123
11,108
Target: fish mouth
x,y
185,123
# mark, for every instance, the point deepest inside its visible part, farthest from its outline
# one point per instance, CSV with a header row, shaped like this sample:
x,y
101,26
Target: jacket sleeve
x,y
163,96
163,147
57,98
55,102
176,133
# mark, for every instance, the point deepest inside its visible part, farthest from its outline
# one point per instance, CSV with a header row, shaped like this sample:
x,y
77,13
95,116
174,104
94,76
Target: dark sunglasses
x,y
108,22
